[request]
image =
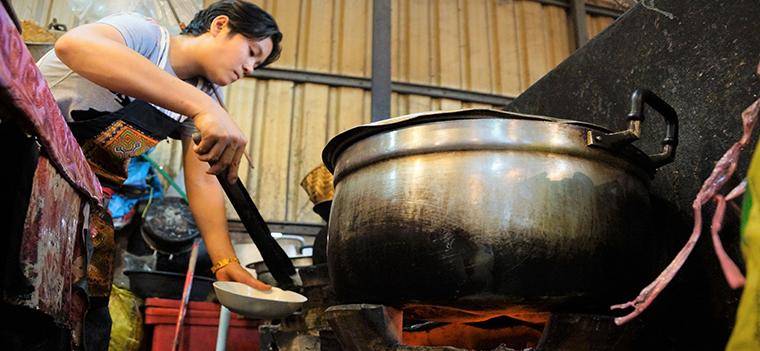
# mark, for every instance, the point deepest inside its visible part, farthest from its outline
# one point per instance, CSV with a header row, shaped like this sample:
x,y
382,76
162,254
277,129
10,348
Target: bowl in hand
x,y
258,304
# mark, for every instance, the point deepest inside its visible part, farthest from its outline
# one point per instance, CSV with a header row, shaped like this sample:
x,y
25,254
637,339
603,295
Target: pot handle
x,y
636,117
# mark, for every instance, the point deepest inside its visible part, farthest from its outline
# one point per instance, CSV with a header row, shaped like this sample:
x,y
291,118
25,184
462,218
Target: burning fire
x,y
516,330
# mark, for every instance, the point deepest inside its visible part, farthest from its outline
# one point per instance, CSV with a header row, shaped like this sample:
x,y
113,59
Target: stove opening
x,y
516,330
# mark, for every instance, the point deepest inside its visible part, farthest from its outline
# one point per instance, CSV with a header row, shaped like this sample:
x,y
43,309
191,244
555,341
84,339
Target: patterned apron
x,y
109,141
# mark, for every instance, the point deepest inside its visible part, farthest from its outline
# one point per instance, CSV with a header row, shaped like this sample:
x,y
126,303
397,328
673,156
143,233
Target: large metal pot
x,y
484,210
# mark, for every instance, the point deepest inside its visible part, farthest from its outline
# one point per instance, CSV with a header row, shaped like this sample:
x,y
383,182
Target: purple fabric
x,y
30,100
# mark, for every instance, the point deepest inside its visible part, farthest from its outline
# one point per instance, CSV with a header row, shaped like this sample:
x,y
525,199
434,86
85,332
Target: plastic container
x,y
200,327
167,285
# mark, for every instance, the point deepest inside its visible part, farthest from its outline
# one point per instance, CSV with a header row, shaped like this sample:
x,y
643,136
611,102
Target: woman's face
x,y
230,57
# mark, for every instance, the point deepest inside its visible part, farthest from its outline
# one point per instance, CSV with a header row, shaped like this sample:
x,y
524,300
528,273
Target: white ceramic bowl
x,y
258,304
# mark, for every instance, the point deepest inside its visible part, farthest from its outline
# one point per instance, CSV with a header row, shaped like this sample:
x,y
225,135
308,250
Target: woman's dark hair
x,y
245,18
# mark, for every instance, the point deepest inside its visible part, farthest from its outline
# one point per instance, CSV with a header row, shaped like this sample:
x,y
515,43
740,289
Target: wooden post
x,y
578,11
381,59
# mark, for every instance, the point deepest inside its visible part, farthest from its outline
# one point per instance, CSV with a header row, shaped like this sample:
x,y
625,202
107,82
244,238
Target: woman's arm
x,y
99,53
206,200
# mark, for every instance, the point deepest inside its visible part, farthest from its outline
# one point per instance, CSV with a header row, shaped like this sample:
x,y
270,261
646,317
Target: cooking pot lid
x,y
342,141
170,221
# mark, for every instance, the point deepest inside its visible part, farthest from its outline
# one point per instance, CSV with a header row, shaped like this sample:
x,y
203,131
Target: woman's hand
x,y
222,142
236,273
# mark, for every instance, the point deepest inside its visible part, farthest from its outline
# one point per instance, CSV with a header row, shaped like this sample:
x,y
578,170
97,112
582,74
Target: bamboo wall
x,y
492,46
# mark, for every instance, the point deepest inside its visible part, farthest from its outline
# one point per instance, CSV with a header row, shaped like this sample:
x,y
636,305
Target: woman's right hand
x,y
236,273
222,142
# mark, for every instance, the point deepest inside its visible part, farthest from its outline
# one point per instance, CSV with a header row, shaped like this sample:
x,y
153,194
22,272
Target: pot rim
x,y
341,142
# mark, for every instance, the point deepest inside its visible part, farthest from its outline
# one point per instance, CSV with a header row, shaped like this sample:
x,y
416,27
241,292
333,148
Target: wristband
x,y
223,263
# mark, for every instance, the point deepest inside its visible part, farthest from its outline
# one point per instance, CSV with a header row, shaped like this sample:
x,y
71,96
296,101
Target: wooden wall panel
x,y
446,36
289,17
273,170
395,38
353,18
505,57
416,53
596,24
476,41
399,104
492,46
558,35
241,108
315,39
349,108
285,139
418,103
404,104
269,140
449,104
531,41
308,138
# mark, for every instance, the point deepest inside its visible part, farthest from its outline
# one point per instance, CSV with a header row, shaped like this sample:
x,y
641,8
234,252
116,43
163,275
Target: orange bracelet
x,y
223,263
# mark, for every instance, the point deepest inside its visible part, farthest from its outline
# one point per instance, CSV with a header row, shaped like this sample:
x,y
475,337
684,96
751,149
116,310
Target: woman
x,y
124,84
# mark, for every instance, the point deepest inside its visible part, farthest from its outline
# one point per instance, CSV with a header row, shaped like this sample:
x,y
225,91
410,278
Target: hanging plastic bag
x,y
89,11
126,327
